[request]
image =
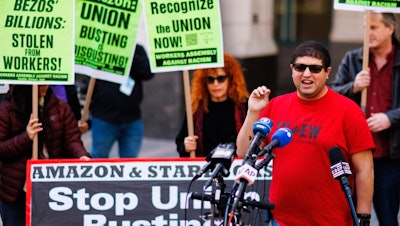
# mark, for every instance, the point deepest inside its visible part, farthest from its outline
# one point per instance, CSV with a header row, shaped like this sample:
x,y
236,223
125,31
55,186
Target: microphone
x,y
280,138
261,129
209,165
340,170
223,154
222,158
247,174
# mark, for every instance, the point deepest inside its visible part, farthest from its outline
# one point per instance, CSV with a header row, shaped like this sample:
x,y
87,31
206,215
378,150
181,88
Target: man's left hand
x,y
378,122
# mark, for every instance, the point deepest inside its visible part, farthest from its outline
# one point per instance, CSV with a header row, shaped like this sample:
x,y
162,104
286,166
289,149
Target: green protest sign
x,y
105,38
36,42
362,5
183,34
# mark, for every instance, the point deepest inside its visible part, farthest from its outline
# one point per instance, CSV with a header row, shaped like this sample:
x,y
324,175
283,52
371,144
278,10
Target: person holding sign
x,y
58,137
219,100
303,189
69,94
116,113
382,81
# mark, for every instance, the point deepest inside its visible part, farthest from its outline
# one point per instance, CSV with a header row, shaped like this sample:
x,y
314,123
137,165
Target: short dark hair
x,y
313,49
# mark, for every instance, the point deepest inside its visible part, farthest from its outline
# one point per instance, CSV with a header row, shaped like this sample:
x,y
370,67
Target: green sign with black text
x,y
105,38
36,41
183,34
361,5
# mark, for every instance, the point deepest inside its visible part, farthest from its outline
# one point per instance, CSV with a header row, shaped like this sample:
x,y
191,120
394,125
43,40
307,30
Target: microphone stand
x,y
217,198
347,191
219,172
239,190
265,161
236,200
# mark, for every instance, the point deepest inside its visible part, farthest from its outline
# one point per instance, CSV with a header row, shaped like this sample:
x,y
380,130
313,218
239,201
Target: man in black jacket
x,y
382,81
116,113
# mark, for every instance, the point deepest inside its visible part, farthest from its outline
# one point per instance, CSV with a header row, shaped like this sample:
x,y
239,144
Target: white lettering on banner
x,y
99,201
156,197
63,200
101,220
175,198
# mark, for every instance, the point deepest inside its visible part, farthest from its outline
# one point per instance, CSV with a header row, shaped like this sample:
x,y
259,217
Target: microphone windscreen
x,y
335,155
263,126
224,151
283,135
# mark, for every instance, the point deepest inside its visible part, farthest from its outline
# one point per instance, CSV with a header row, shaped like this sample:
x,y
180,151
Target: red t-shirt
x,y
303,189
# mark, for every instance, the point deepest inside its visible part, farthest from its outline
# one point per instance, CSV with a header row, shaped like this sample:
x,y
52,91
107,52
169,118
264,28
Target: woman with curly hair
x,y
219,106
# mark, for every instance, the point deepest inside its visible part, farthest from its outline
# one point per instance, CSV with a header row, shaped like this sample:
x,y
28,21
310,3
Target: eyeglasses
x,y
313,68
219,78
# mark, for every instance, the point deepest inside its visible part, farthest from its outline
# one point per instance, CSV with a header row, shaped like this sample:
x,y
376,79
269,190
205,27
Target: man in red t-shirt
x,y
302,188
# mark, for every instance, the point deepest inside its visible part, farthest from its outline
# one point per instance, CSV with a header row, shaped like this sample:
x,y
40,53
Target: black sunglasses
x,y
313,68
219,78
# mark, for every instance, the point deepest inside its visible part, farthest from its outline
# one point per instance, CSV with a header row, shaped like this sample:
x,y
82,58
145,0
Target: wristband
x,y
364,219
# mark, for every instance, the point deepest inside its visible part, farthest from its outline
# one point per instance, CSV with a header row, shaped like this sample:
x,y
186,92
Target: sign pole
x,y
365,56
188,103
88,99
35,103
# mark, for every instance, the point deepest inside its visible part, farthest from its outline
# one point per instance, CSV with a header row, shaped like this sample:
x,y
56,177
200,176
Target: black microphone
x,y
261,129
223,153
209,165
280,138
222,158
340,170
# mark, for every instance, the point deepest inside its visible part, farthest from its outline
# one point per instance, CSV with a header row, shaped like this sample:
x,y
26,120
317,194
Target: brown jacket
x,y
62,140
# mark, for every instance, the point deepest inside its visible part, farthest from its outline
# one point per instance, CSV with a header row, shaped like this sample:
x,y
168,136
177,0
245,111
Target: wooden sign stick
x,y
88,99
188,103
365,56
35,112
